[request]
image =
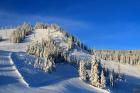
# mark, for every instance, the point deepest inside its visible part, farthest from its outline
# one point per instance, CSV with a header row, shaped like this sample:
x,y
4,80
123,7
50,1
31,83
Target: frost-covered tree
x,y
94,78
93,61
70,43
47,65
112,78
103,80
40,25
82,71
19,34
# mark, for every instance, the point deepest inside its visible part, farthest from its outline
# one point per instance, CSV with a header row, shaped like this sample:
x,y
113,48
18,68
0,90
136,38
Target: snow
x,y
17,74
132,70
8,71
7,46
63,80
131,74
80,55
5,33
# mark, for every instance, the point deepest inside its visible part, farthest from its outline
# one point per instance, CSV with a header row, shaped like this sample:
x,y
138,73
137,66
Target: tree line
x,y
123,56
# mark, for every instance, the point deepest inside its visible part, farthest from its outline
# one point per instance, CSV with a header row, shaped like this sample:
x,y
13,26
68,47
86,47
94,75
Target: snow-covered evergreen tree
x,y
112,78
94,79
82,71
103,80
19,34
47,65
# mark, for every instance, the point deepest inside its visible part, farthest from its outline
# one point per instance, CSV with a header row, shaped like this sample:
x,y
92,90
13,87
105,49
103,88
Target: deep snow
x,y
20,73
63,80
17,72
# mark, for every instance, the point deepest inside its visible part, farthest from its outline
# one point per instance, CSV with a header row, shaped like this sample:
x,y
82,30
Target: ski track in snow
x,y
8,69
12,80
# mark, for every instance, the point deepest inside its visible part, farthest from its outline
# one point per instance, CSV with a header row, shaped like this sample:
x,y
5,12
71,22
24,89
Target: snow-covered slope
x,y
9,75
63,80
7,46
5,33
16,71
131,76
16,74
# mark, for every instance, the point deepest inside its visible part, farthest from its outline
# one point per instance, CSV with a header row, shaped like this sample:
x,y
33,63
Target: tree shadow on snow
x,y
131,85
4,80
4,53
6,65
7,70
4,68
37,78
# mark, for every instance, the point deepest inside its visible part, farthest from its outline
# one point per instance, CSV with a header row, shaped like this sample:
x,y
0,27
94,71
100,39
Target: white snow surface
x,y
18,76
15,79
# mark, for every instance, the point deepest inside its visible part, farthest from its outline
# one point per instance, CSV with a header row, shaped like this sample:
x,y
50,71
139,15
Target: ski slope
x,y
131,75
18,77
9,70
61,81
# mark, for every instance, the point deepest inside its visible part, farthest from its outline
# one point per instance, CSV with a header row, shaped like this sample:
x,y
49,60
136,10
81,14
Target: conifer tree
x,y
103,80
111,77
94,79
82,71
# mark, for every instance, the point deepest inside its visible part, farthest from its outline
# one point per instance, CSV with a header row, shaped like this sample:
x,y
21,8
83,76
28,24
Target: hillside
x,y
23,65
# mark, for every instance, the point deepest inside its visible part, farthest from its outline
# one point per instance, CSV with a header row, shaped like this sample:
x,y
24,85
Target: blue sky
x,y
102,24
